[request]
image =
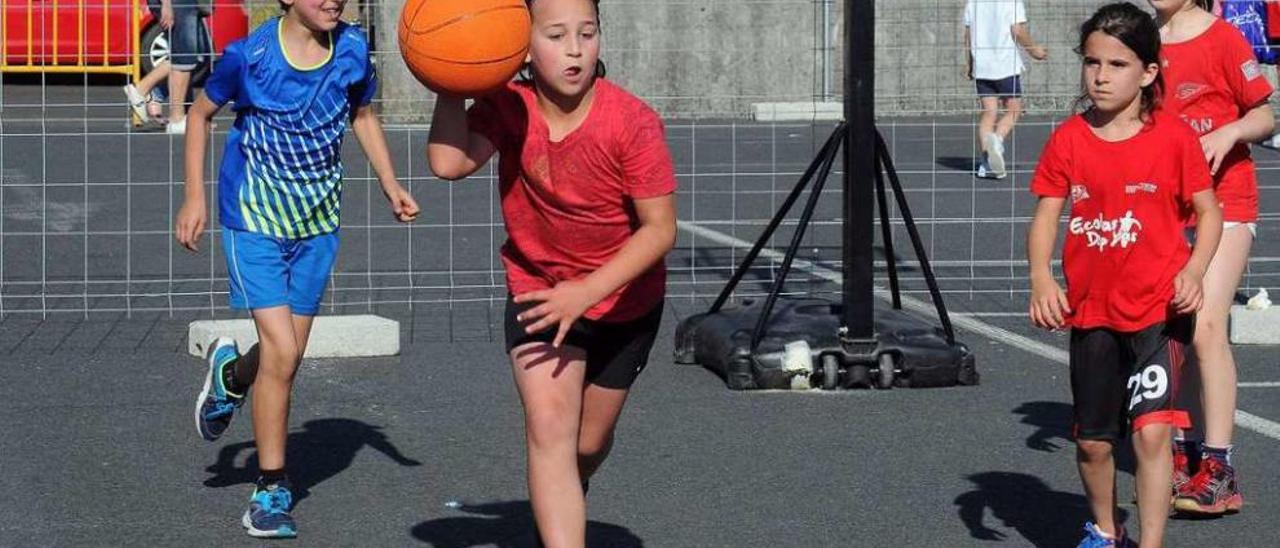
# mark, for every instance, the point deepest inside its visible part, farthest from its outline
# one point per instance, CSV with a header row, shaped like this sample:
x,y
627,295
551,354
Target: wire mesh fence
x,y
88,197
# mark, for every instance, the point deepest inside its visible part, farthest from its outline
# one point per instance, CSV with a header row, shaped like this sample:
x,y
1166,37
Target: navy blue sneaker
x,y
215,407
268,513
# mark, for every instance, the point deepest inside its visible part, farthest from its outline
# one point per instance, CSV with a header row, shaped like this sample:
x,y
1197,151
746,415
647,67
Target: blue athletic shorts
x,y
1004,87
266,271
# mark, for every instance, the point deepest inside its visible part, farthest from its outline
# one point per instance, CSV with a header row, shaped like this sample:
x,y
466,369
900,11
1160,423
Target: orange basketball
x,y
464,47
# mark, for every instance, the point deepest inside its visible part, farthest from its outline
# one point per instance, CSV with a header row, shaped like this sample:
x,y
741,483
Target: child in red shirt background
x,y
1215,84
1133,176
586,185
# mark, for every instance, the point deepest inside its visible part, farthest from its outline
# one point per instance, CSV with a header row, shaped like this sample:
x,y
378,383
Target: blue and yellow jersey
x,y
281,172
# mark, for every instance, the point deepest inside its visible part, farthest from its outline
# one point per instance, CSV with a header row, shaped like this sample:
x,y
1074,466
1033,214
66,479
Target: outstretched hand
x,y
561,306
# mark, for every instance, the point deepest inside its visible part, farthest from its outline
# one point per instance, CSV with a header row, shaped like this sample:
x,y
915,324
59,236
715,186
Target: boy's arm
x,y
192,216
453,150
1187,291
1023,37
1049,305
568,300
368,131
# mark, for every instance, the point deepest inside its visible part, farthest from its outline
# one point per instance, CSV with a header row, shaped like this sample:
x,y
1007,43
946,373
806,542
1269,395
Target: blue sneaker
x,y
1095,538
215,407
268,513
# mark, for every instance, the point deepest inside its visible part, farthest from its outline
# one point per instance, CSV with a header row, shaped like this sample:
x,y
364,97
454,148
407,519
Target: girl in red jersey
x,y
587,185
1133,177
1214,83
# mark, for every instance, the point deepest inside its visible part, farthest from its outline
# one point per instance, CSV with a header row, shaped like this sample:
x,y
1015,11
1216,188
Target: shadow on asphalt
x,y
321,450
508,524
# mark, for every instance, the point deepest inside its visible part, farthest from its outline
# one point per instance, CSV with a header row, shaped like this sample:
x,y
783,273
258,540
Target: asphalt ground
x,y
427,447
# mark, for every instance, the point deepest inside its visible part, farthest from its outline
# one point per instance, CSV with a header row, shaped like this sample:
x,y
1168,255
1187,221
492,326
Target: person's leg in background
x,y
986,125
184,57
140,94
1010,98
1213,488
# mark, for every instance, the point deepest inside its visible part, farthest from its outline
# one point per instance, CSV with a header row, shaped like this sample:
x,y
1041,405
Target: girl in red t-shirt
x,y
1213,82
1133,176
586,183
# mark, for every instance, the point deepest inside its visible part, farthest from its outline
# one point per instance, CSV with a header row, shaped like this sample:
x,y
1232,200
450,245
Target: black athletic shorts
x,y
616,351
1004,87
1123,381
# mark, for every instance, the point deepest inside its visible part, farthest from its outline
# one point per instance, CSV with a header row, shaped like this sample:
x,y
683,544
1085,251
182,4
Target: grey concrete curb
x,y
353,336
1255,326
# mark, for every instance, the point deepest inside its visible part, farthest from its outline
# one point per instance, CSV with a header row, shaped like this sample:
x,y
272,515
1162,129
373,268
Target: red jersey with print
x,y
568,203
1211,81
1130,200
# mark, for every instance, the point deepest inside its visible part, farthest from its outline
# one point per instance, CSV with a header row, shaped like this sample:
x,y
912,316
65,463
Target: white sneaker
x,y
137,102
176,128
984,172
995,154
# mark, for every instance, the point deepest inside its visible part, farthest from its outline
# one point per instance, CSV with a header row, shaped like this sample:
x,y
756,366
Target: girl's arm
x,y
193,216
570,299
1187,291
453,150
368,131
1256,125
1049,306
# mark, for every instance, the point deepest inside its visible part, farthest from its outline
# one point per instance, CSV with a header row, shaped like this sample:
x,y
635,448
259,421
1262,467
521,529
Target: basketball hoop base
x,y
906,352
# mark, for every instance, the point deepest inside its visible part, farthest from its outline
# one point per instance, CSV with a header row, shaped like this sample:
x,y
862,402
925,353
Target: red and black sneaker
x,y
1211,491
1181,467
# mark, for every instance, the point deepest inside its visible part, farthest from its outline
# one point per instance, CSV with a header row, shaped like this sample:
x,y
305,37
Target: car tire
x,y
155,49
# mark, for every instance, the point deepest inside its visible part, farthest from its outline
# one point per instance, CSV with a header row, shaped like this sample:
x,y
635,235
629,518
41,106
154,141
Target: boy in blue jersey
x,y
295,81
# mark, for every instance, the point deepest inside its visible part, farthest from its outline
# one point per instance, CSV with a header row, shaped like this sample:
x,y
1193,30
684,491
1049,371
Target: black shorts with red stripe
x,y
1121,382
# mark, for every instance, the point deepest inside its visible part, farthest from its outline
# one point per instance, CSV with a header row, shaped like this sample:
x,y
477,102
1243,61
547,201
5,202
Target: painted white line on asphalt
x,y
992,314
1245,420
1258,424
1258,384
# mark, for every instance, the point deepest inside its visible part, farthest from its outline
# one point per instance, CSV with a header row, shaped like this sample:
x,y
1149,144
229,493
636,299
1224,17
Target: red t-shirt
x,y
567,204
1273,20
1129,203
1211,81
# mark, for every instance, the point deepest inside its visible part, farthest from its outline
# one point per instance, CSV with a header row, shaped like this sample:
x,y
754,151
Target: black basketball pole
x,y
859,169
853,346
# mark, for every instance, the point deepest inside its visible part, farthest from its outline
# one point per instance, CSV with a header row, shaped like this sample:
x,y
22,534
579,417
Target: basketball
x,y
464,47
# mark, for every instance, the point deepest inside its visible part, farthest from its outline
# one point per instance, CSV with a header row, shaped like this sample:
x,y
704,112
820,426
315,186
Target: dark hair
x,y
526,72
1206,5
1137,31
529,3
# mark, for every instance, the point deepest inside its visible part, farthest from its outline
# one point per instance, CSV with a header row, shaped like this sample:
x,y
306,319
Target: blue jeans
x,y
188,36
